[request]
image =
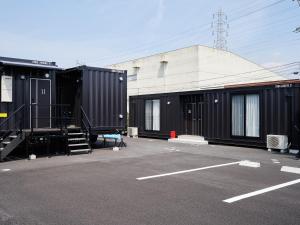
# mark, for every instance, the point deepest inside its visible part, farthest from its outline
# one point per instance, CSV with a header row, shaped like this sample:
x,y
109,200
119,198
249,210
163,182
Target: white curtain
x,y
238,115
148,114
252,115
156,115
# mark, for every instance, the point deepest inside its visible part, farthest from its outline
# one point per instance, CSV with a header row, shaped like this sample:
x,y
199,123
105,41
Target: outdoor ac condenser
x,y
132,131
277,142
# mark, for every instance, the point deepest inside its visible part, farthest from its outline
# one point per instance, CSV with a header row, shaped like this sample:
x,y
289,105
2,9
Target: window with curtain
x,y
148,114
245,115
238,115
152,115
252,115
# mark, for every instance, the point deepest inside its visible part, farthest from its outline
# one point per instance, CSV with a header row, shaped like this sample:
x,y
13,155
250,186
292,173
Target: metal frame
x,y
30,99
196,117
160,120
244,94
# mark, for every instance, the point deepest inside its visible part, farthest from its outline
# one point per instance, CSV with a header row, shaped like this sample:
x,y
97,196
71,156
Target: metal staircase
x,y
8,144
78,141
13,135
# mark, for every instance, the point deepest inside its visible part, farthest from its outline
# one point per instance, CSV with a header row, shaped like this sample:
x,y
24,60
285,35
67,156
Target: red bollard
x,y
172,134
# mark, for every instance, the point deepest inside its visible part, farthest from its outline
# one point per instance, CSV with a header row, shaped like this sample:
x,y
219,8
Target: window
x,y
162,68
238,115
133,76
245,115
152,115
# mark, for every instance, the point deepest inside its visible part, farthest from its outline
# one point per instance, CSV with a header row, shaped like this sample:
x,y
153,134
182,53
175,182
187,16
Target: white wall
x,y
192,68
218,68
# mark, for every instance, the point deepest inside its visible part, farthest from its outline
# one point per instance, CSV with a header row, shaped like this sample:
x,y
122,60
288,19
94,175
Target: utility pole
x,y
297,1
220,29
297,30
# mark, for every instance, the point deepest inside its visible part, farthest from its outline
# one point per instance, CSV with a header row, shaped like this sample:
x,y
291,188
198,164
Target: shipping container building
x,y
42,104
237,115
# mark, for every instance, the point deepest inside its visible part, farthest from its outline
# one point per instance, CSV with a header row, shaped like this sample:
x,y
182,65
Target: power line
x,y
267,70
257,10
212,61
297,1
205,27
267,46
203,87
297,30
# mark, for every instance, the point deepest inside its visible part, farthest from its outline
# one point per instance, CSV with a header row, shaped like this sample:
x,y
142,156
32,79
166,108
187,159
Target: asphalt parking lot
x,y
152,182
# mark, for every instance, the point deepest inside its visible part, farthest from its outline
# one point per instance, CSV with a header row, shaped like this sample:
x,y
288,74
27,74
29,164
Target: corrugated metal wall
x,y
170,114
280,108
105,97
21,90
279,114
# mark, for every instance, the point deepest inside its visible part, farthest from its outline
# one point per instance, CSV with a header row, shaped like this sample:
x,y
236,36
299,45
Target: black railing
x,y
18,122
86,124
58,116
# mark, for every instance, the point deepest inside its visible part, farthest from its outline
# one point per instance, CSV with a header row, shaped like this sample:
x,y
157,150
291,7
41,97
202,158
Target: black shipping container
x,y
43,106
101,93
31,81
48,93
208,113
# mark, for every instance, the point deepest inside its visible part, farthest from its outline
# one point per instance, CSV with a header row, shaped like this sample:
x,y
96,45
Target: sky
x,y
103,32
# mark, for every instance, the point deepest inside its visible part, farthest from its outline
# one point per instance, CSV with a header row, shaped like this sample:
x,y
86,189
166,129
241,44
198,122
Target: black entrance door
x,y
193,118
200,118
40,103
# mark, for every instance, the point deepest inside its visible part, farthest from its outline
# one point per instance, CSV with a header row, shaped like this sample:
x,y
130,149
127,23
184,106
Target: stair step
x,y
6,142
80,144
190,137
1,149
188,141
75,134
13,136
76,139
81,150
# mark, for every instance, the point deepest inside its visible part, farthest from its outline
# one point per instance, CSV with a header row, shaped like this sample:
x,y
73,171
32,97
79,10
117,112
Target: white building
x,y
191,68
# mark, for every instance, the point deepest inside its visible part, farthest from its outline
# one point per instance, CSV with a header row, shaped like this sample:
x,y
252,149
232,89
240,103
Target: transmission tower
x,y
220,29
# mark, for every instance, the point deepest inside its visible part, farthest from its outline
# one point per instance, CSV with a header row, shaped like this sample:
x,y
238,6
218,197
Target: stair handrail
x,y
59,120
87,119
12,115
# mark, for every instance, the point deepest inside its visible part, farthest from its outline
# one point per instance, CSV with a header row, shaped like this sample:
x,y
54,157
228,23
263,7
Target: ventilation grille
x,y
277,142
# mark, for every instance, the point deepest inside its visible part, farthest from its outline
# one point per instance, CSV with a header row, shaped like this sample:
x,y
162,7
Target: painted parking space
x,y
243,163
186,171
262,191
107,186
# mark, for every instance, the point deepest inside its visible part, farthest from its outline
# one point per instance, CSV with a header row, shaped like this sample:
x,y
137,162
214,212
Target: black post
x,y
23,120
31,118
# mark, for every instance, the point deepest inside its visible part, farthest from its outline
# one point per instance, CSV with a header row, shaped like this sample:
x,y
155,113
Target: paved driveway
x,y
152,182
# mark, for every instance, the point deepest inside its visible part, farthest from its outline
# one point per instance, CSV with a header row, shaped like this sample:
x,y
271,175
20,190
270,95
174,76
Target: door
x,y
193,118
189,118
200,118
40,101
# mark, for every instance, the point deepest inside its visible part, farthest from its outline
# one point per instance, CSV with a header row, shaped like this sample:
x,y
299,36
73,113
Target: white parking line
x,y
262,191
275,161
249,164
5,170
187,171
290,169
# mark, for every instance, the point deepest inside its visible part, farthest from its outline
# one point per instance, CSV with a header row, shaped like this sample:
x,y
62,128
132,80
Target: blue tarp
x,y
111,136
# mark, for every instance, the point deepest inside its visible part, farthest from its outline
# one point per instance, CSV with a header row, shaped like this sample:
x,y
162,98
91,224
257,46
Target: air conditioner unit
x,y
132,131
277,142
